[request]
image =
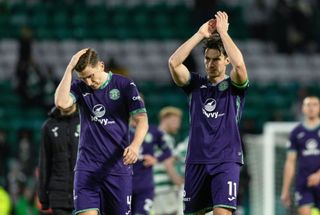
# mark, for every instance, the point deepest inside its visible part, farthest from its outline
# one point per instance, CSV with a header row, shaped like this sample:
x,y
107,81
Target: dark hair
x,y
215,42
89,58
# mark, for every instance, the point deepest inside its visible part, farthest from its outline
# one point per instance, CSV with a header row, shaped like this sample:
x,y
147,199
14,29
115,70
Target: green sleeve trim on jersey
x,y
225,206
204,210
141,110
73,97
243,85
88,209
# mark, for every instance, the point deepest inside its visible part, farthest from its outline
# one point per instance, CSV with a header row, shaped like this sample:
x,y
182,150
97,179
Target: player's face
x,y
215,63
93,76
311,107
174,123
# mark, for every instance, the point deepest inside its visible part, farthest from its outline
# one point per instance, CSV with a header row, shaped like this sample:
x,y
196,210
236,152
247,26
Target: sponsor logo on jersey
x,y
114,94
311,148
209,107
135,98
99,111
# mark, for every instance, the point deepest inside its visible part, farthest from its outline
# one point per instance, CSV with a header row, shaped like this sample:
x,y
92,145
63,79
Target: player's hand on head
x,y
130,155
75,58
222,24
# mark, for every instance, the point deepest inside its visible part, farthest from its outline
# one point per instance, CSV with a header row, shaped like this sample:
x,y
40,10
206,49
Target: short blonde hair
x,y
168,111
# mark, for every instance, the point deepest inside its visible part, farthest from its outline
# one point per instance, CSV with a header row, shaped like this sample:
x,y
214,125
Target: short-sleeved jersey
x,y
306,143
143,176
215,111
104,117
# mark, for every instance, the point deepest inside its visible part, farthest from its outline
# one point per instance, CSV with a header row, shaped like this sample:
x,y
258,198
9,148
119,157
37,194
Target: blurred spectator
x,y
25,204
15,177
30,81
292,25
50,85
27,154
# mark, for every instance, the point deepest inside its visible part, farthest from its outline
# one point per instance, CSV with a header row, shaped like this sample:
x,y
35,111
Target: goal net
x,y
265,158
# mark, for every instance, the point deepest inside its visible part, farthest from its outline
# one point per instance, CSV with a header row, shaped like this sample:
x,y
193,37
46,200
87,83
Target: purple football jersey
x,y
143,176
104,117
215,111
306,143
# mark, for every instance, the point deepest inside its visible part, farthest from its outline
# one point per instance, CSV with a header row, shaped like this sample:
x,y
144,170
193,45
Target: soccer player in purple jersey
x,y
143,183
214,154
304,155
103,172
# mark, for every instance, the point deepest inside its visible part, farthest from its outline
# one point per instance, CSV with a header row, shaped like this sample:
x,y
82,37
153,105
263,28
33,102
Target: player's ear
x,y
101,65
227,60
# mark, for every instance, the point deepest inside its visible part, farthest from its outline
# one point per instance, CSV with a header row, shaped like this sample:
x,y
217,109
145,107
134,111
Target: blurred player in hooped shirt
x,y
167,179
143,182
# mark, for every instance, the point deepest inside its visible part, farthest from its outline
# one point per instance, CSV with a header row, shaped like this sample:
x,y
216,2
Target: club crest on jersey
x,y
223,86
209,107
114,94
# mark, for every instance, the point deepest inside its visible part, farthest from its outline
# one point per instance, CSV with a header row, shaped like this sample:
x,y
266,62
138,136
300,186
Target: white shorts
x,y
166,202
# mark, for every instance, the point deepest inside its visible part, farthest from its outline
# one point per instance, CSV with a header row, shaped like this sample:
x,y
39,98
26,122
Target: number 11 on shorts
x,y
232,190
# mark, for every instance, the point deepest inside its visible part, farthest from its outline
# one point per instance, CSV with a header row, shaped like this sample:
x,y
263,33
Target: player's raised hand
x,y
222,24
208,28
75,58
130,155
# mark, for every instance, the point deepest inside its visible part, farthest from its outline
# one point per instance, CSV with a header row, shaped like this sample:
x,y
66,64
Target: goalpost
x,y
265,158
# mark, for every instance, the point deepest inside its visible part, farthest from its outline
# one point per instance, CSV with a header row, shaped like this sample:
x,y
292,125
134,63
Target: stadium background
x,y
280,40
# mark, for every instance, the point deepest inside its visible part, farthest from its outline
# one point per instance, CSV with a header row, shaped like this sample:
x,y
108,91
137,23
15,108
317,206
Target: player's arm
x,y
179,72
288,174
131,152
239,71
44,168
62,97
170,168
